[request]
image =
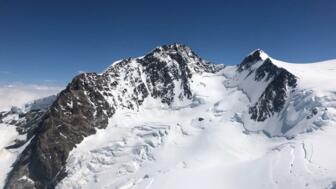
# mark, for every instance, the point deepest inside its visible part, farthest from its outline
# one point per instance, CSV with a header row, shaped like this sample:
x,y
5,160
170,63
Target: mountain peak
x,y
254,57
259,54
173,47
169,57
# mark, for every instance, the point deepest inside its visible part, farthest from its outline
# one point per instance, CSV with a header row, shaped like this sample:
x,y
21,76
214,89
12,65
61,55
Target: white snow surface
x,y
8,135
203,143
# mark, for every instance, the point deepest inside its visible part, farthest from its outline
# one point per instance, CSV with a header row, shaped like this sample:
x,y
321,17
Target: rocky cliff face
x,y
75,114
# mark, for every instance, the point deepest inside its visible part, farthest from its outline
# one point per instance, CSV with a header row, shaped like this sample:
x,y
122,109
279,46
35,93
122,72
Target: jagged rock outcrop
x,y
279,83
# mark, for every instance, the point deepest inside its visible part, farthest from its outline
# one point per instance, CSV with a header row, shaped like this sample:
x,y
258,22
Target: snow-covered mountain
x,y
170,119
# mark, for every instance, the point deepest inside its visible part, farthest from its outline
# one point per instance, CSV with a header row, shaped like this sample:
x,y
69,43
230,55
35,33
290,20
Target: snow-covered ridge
x,y
315,76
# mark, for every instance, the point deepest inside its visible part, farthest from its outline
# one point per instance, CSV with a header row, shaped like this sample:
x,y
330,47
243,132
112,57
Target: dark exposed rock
x,y
17,143
159,72
30,123
313,112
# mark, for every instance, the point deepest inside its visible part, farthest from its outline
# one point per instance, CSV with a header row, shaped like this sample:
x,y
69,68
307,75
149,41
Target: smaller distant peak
x,y
254,57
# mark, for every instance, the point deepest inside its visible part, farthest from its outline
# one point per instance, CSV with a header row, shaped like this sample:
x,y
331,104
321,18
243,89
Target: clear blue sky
x,y
50,41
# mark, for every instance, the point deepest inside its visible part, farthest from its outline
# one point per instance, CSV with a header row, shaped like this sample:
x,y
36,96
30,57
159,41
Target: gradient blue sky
x,y
50,41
